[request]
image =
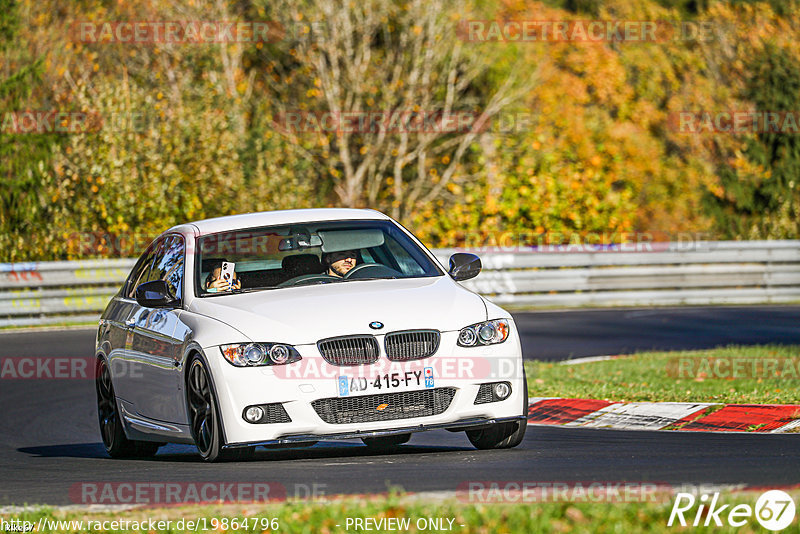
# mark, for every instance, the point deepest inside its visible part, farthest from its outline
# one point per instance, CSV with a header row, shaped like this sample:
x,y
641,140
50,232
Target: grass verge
x,y
331,516
768,374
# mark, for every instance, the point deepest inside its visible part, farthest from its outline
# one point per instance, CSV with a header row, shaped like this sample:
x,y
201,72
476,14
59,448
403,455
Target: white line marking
x,y
793,425
582,421
639,415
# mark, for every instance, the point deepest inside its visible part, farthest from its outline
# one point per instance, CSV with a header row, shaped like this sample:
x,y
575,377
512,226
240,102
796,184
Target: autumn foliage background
x,y
597,154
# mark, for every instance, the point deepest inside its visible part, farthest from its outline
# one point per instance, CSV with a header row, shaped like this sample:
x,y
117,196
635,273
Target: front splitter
x,y
464,424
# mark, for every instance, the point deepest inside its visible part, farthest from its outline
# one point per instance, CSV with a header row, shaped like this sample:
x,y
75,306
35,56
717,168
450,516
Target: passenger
x,y
214,283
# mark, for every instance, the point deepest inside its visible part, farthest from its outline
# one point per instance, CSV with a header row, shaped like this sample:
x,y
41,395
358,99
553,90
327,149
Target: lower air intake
x,y
485,394
384,406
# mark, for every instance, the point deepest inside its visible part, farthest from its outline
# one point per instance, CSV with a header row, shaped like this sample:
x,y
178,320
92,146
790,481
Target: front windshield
x,y
307,253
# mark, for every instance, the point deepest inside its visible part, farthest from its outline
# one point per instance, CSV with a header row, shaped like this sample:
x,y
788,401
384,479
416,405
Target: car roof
x,y
269,218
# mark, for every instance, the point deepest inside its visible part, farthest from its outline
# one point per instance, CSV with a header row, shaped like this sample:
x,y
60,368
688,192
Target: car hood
x,y
306,314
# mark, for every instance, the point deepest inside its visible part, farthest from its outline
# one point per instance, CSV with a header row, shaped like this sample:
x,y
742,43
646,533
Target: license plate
x,y
350,385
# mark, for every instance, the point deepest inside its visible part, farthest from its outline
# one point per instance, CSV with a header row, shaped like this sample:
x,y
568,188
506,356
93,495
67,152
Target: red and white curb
x,y
684,416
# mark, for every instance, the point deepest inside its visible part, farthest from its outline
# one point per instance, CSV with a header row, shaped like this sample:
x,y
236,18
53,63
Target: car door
x,y
119,324
154,349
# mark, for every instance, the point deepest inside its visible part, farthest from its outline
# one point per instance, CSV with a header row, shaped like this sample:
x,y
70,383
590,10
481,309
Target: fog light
x,y
502,390
254,414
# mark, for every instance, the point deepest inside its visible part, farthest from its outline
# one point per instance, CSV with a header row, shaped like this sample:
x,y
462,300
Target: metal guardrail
x,y
711,272
58,291
714,272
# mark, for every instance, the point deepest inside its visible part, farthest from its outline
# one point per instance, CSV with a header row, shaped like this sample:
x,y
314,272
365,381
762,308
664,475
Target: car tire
x,y
502,435
115,441
383,443
204,419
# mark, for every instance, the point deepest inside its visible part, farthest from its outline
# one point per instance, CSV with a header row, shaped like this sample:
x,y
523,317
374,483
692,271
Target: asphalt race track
x,y
575,334
49,440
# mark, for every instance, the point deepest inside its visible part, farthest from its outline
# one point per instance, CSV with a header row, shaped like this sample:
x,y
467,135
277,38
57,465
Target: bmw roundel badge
x,y
376,325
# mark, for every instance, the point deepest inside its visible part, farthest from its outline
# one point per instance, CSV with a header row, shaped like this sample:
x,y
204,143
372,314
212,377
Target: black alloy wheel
x,y
115,441
204,419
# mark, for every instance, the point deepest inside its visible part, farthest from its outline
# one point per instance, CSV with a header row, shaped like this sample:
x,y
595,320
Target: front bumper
x,y
463,369
305,438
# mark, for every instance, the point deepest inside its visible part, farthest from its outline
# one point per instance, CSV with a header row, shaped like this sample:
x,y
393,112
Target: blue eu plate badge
x,y
429,377
344,388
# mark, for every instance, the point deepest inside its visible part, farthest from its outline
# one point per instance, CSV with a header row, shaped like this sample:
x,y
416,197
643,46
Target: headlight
x,y
257,354
488,333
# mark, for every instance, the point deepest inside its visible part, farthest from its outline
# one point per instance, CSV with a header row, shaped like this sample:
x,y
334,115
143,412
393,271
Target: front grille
x,y
404,405
484,394
411,344
349,350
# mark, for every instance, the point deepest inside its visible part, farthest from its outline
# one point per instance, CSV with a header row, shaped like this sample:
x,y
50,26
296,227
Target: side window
x,y
139,271
168,265
366,255
407,263
153,273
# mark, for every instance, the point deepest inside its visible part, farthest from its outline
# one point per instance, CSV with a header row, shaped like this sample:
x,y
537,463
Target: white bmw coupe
x,y
286,328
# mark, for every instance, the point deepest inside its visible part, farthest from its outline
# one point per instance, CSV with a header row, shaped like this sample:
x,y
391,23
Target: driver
x,y
339,263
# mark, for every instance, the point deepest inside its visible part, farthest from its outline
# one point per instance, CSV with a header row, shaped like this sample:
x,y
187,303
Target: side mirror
x,y
156,294
464,266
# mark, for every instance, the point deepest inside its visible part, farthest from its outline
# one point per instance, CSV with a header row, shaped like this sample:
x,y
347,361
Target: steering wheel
x,y
310,279
380,269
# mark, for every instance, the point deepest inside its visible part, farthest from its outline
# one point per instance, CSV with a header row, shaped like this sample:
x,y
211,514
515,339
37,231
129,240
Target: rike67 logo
x,y
774,511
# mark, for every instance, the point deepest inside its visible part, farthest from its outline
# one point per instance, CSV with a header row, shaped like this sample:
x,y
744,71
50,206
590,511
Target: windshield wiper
x,y
249,290
371,278
314,282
